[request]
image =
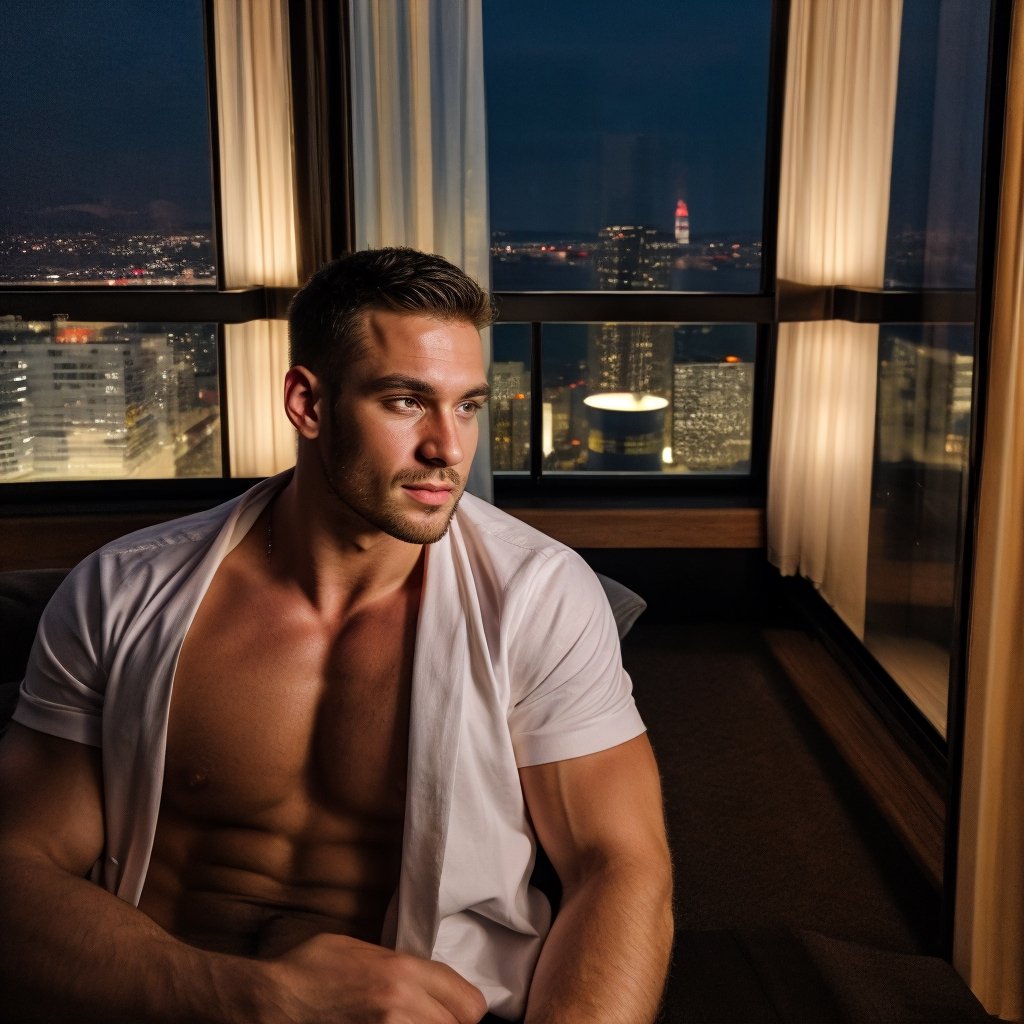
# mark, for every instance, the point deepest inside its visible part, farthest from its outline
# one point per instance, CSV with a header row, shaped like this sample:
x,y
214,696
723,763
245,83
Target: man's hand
x,y
336,978
72,952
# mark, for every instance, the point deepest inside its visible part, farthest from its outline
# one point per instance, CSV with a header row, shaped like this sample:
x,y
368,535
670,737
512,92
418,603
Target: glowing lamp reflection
x,y
624,401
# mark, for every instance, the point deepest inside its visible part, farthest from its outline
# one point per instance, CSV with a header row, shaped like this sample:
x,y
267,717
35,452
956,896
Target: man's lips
x,y
428,494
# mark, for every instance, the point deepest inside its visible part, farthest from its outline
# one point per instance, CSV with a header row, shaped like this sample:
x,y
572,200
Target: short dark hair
x,y
326,317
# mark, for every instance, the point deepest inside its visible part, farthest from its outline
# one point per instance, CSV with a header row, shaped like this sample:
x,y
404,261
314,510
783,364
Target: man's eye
x,y
403,404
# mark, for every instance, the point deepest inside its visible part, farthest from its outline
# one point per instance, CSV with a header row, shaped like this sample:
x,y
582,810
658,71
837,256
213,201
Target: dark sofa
x,y
23,596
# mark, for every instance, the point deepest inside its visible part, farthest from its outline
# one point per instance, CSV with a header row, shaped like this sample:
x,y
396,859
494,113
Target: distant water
x,y
542,275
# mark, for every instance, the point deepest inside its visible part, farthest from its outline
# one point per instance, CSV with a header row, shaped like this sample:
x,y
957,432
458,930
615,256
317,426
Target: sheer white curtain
x,y
258,220
989,933
833,211
420,154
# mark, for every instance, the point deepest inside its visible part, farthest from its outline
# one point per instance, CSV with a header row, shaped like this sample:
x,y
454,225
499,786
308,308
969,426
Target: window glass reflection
x,y
108,401
923,428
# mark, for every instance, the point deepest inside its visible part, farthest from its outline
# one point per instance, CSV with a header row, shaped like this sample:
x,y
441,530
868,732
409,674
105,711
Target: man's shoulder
x,y
514,554
522,559
502,531
161,549
172,535
192,528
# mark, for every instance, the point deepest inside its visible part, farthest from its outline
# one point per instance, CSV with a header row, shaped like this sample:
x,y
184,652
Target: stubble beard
x,y
384,512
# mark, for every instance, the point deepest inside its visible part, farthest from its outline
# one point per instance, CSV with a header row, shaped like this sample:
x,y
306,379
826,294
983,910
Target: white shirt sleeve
x,y
62,692
570,694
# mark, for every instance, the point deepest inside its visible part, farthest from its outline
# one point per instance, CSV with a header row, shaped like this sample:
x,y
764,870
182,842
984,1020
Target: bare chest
x,y
277,723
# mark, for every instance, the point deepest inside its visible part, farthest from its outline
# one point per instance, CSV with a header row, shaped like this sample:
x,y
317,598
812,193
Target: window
x,y
923,436
627,148
108,401
626,397
925,370
109,186
627,154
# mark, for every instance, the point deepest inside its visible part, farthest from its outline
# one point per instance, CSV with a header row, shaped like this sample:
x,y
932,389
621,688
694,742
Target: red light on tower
x,y
682,223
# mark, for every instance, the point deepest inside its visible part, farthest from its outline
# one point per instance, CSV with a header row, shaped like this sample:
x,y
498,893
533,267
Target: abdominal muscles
x,y
259,893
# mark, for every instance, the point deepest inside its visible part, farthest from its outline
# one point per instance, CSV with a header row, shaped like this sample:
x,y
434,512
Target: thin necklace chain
x,y
270,527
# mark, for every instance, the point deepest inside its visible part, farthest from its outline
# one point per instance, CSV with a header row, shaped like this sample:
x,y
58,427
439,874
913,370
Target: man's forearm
x,y
70,951
607,955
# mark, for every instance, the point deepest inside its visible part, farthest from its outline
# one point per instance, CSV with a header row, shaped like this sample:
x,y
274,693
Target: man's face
x,y
403,429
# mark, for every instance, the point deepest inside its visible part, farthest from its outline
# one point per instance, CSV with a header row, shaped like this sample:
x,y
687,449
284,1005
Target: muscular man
x,y
379,705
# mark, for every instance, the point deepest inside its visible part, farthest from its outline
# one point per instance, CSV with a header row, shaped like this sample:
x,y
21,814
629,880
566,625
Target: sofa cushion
x,y
23,596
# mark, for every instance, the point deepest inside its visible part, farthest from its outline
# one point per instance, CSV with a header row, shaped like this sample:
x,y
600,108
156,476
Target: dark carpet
x,y
794,901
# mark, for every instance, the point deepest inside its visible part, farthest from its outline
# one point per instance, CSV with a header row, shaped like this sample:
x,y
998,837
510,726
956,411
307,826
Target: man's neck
x,y
338,563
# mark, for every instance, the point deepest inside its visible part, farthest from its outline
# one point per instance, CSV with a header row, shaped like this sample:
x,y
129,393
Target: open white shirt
x,y
516,663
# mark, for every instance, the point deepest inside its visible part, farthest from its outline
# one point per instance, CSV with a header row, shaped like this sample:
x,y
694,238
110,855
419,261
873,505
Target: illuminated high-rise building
x,y
682,223
711,407
16,440
628,259
633,358
510,416
92,403
633,361
107,401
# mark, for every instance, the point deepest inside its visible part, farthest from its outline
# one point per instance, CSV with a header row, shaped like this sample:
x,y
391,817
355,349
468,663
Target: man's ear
x,y
303,401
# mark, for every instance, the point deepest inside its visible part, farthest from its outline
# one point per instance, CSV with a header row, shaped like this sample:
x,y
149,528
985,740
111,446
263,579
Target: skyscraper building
x,y
16,440
91,402
630,358
682,223
711,408
107,400
633,358
510,416
628,259
633,361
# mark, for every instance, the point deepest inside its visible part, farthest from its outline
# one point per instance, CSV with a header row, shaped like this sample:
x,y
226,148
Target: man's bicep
x,y
594,811
51,802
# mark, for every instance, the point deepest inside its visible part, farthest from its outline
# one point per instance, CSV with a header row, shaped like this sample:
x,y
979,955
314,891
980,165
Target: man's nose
x,y
441,444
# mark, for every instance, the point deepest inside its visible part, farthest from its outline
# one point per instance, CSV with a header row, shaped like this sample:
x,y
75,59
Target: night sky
x,y
608,113
598,113
104,115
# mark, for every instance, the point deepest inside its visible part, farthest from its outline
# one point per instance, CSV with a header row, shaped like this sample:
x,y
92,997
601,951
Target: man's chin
x,y
425,527
422,534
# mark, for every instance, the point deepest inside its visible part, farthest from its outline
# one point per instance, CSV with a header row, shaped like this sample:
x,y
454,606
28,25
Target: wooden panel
x,y
58,542
905,796
649,527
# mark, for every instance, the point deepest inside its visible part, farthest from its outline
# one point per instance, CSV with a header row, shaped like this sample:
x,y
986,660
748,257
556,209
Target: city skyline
x,y
591,121
624,154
